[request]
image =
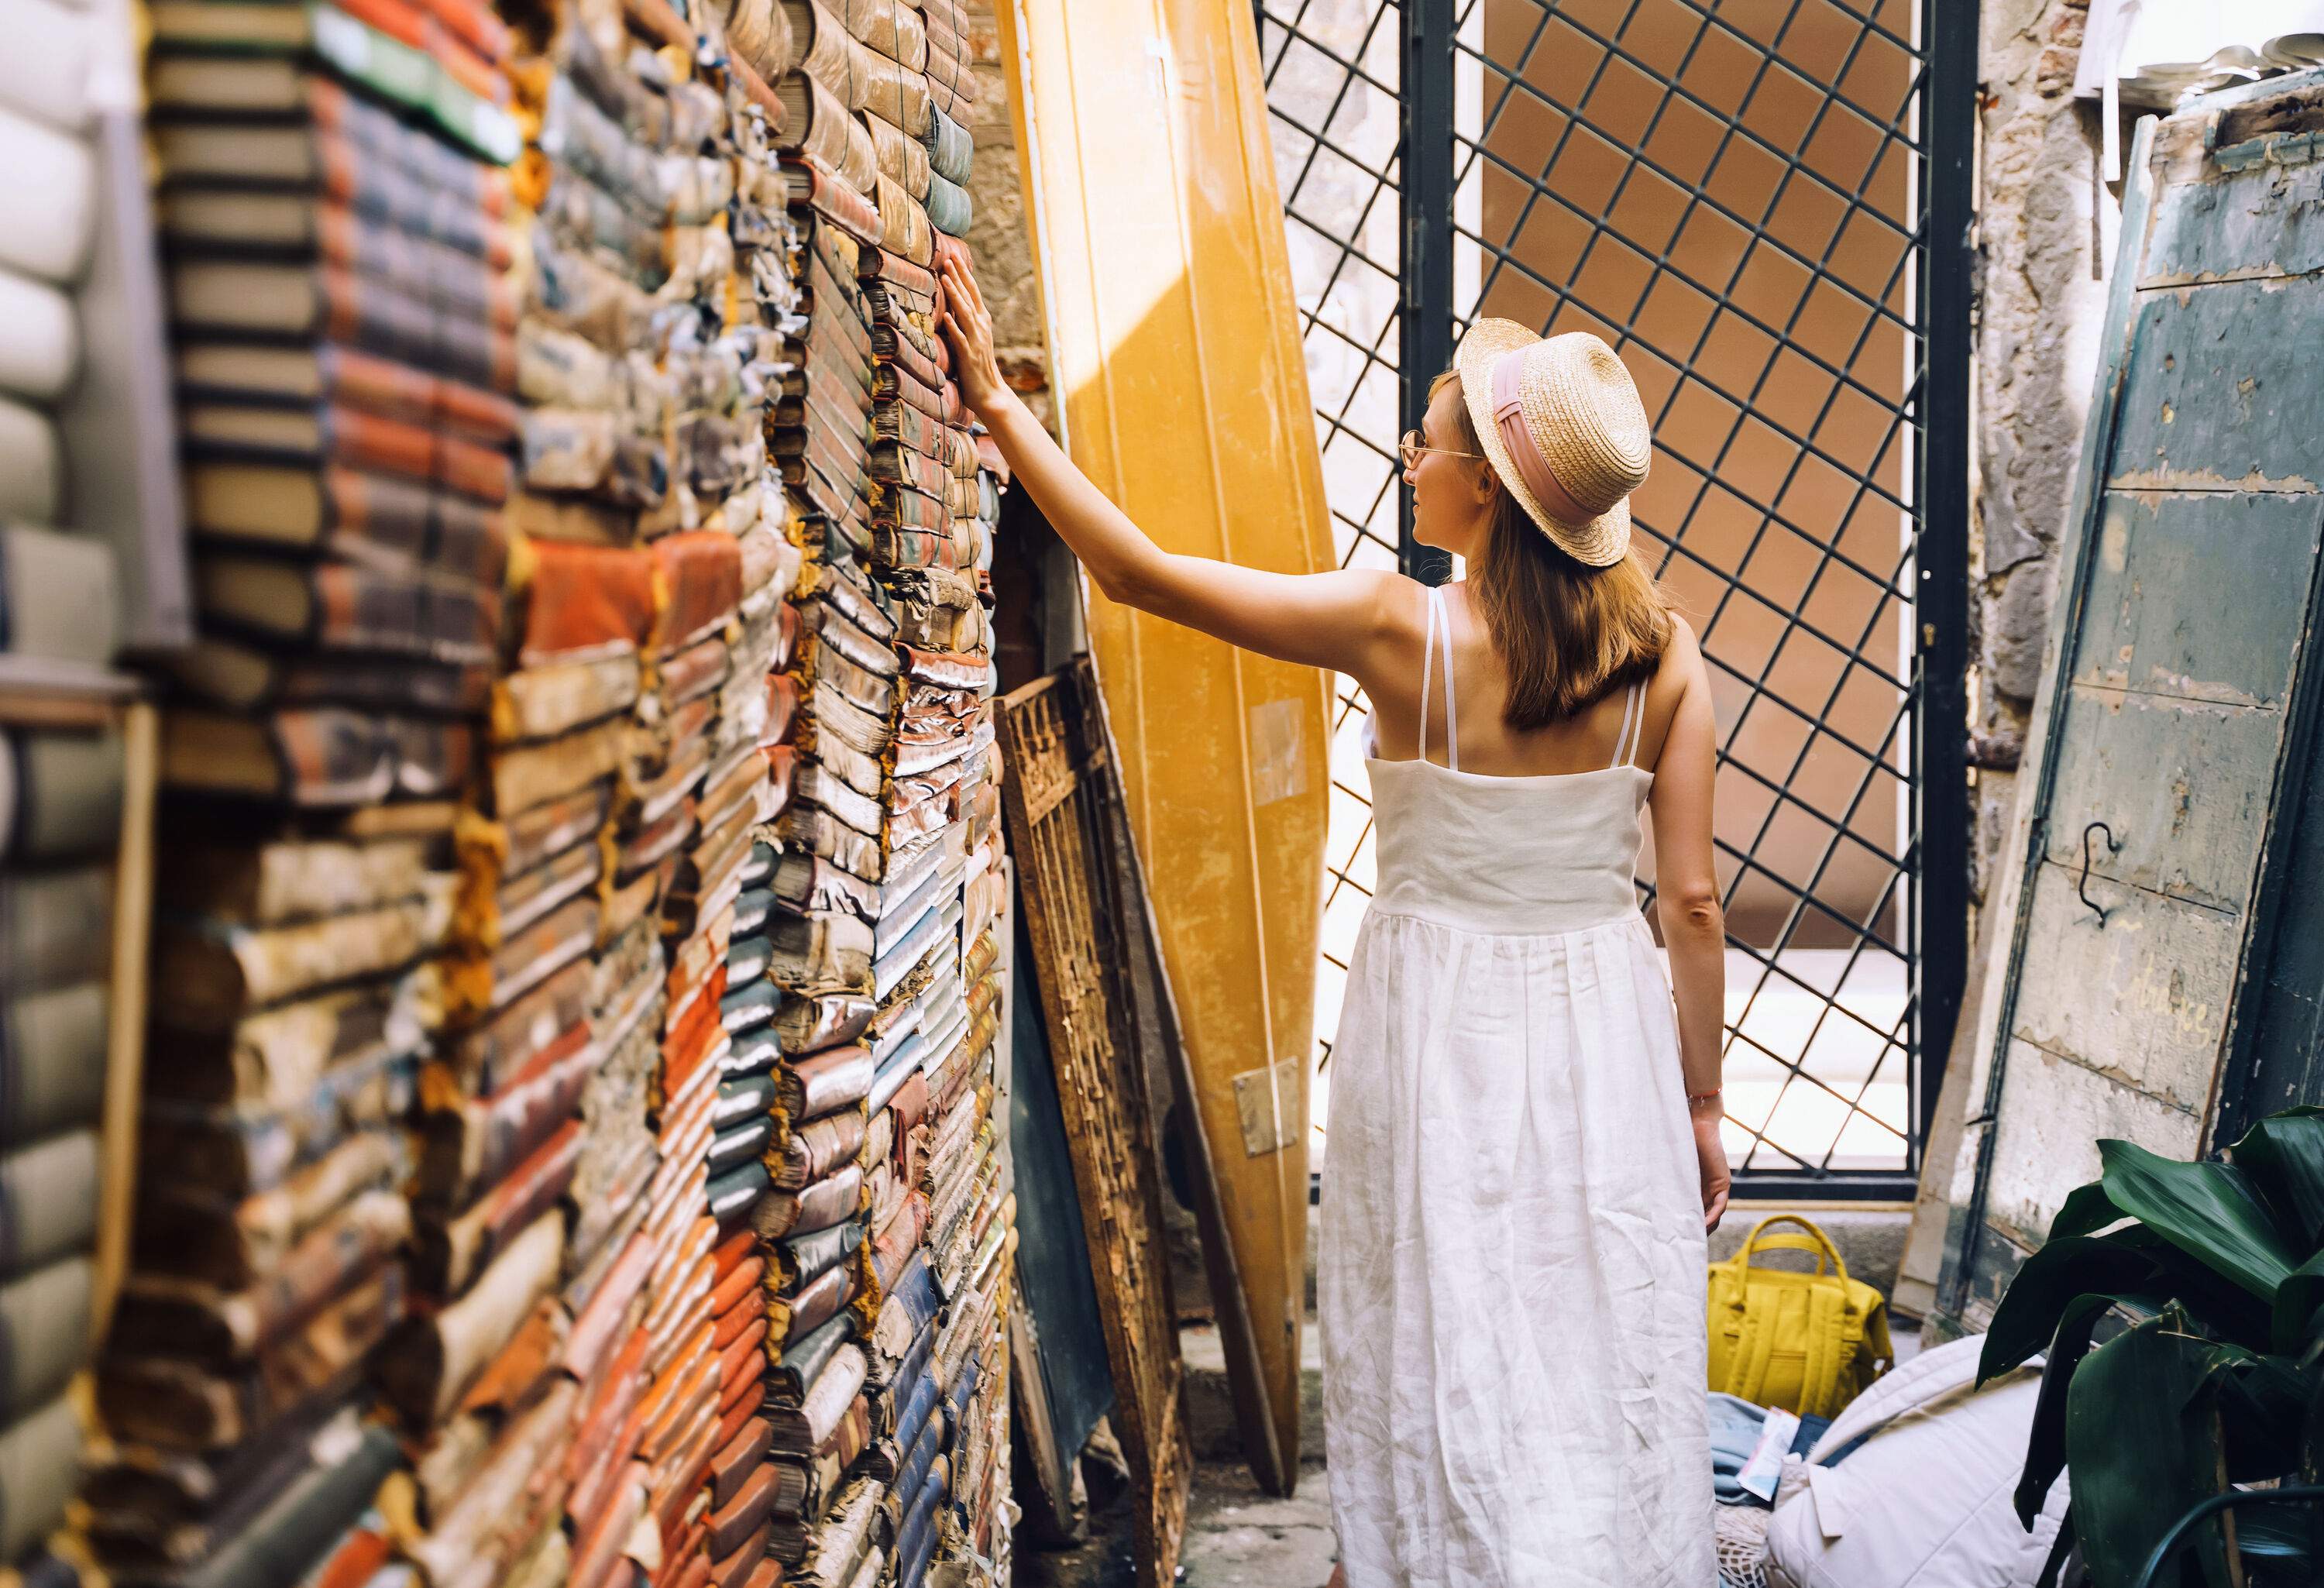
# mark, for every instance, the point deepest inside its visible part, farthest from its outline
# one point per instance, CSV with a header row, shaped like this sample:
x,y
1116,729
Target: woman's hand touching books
x,y
967,325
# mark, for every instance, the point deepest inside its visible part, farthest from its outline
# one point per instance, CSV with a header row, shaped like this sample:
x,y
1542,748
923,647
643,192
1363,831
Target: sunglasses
x,y
1409,446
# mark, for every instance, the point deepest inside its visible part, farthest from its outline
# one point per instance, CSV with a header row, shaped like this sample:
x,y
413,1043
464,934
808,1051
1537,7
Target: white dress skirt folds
x,y
1510,1277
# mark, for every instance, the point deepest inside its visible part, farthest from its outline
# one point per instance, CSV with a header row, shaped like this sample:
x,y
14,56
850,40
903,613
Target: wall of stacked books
x,y
567,1142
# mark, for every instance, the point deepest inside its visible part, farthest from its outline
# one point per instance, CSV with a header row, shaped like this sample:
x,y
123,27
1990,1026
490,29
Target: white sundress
x,y
1510,1280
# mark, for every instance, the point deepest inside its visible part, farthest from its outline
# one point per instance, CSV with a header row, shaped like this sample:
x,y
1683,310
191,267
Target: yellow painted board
x,y
1175,351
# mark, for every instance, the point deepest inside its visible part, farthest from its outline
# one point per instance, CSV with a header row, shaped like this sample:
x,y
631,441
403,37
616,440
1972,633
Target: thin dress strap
x,y
1634,722
1452,722
1427,662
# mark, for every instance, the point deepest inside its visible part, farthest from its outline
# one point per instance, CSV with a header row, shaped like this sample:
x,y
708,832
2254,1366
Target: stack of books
x,y
60,821
291,985
63,766
820,423
932,554
688,822
334,209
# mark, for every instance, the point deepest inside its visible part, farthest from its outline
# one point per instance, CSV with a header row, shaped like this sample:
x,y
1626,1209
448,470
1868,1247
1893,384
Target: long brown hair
x,y
1568,632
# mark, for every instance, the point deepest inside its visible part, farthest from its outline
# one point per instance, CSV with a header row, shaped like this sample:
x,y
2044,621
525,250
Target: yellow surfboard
x,y
1174,348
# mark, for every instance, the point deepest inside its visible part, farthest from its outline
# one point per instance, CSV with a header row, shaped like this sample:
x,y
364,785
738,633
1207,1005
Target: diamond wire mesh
x,y
1727,194
1331,68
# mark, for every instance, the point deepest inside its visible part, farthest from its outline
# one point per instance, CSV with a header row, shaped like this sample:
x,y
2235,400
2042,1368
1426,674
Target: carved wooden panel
x,y
1056,791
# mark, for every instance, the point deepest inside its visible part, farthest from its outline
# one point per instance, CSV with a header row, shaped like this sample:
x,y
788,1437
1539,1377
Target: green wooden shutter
x,y
2177,649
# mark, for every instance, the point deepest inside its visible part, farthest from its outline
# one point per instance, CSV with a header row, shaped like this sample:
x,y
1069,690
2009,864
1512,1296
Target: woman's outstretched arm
x,y
1336,620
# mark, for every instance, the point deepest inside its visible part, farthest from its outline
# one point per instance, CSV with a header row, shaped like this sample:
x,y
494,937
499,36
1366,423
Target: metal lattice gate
x,y
1764,204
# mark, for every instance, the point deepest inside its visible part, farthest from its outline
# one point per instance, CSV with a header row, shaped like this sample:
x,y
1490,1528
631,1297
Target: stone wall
x,y
998,234
2042,215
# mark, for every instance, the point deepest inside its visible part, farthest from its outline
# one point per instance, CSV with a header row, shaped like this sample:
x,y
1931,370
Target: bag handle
x,y
1815,1240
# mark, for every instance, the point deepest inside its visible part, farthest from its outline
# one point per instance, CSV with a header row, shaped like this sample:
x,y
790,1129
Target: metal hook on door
x,y
2083,884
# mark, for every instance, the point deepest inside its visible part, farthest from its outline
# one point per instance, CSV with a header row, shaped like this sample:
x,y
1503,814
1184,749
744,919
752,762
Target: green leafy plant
x,y
2213,1277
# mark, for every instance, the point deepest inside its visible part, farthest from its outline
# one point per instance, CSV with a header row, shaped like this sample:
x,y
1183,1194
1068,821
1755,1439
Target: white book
x,y
48,208
59,597
40,338
31,468
45,65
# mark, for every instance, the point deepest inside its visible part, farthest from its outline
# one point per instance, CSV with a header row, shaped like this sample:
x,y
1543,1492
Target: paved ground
x,y
1236,1537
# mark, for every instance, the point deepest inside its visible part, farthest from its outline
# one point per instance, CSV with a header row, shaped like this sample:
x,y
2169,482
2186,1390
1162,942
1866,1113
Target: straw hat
x,y
1563,407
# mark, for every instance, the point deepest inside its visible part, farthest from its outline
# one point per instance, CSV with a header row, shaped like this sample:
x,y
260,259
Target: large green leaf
x,y
2088,1210
2291,1321
2263,1401
2045,1441
2283,1154
2050,1282
2210,1210
2143,1446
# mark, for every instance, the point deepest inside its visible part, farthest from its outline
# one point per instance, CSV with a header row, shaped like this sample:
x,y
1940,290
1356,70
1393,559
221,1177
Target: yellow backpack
x,y
1807,1343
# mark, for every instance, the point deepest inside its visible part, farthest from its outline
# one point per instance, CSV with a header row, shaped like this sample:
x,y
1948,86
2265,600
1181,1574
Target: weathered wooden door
x,y
1061,772
2179,659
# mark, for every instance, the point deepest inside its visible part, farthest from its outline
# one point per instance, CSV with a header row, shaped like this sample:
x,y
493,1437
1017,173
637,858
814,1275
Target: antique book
x,y
185,1406
432,1360
950,147
53,201
57,597
314,755
371,520
31,465
311,401
47,1200
283,879
350,179
339,607
542,702
194,1321
815,186
581,601
52,1047
818,1206
949,209
529,775
384,45
470,1142
59,795
40,1468
347,1460
823,49
209,970
55,927
701,573
41,346
233,1245
239,298
335,432
44,1316
817,121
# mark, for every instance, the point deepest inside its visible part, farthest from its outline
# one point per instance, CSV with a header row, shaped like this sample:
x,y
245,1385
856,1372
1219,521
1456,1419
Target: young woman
x,y
1525,1150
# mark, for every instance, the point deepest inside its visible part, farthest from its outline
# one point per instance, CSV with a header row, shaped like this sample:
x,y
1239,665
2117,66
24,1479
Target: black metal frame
x,y
1934,121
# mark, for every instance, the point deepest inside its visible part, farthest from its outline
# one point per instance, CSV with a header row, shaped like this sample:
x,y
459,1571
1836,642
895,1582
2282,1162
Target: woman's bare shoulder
x,y
1682,659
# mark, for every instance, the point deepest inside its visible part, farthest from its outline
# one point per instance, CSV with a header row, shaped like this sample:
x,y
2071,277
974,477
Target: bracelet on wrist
x,y
1696,1099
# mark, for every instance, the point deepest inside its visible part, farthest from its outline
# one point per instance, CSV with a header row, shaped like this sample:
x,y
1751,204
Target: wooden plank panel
x,y
1175,345
2266,219
2220,392
2142,1000
2052,1116
2200,594
2182,786
1052,734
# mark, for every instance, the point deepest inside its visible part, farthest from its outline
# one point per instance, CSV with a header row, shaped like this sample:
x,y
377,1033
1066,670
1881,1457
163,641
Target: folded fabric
x,y
1735,1428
